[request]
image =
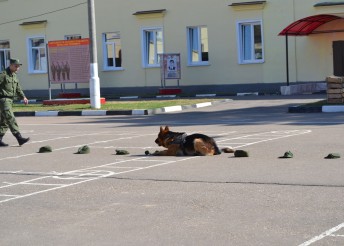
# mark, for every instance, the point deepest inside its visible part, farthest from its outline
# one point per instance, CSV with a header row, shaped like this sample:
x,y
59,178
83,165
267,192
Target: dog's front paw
x,y
157,152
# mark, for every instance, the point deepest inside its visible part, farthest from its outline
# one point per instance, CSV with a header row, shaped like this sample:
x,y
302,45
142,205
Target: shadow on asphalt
x,y
225,115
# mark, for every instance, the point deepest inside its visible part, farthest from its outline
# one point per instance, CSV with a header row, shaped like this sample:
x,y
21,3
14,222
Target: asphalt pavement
x,y
100,198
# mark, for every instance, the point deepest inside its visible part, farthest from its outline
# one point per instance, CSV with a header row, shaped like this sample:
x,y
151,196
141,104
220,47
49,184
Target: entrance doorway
x,y
338,58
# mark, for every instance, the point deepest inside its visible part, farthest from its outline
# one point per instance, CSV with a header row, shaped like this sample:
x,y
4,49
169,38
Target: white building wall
x,y
310,57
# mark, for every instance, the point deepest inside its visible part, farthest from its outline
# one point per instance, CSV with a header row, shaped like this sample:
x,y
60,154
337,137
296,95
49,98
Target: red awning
x,y
307,25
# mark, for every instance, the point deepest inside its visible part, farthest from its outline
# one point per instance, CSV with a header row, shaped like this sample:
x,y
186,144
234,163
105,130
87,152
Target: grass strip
x,y
111,105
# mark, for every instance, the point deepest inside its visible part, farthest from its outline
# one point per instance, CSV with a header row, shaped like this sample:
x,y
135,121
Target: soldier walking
x,y
9,89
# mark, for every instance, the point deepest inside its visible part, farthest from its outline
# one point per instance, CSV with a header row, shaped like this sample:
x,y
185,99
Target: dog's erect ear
x,y
166,128
161,129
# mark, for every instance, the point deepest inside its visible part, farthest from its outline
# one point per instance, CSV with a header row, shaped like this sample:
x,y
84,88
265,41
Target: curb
x,y
119,112
301,109
316,109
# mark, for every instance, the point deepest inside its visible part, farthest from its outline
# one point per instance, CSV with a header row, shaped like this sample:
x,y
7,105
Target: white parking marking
x,y
76,146
323,235
262,137
75,177
86,175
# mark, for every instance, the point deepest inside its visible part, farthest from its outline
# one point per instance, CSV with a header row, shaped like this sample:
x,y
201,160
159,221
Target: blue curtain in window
x,y
247,41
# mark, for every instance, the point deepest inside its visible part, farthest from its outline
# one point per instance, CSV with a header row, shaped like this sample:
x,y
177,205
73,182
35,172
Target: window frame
x,y
144,50
6,56
252,23
31,66
105,43
200,62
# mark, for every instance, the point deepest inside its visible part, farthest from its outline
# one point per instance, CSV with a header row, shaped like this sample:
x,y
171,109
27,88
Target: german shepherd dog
x,y
179,144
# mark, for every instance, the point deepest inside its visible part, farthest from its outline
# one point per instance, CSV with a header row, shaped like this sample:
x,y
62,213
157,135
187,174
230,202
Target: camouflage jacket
x,y
9,85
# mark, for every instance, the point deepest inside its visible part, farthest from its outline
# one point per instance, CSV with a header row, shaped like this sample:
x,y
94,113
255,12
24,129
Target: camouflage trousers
x,y
7,118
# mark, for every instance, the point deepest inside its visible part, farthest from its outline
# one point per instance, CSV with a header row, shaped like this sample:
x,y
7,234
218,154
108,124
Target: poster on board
x,y
170,66
69,61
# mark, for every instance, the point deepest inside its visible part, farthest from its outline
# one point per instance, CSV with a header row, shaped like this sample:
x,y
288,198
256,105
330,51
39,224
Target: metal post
x,y
94,79
287,57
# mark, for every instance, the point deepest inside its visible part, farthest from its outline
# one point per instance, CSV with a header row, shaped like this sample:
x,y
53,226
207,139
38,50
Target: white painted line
x,y
94,173
166,96
44,184
201,105
248,93
73,136
46,113
68,178
30,100
129,167
332,109
205,95
21,183
76,146
138,112
269,137
129,97
322,235
172,108
93,112
94,177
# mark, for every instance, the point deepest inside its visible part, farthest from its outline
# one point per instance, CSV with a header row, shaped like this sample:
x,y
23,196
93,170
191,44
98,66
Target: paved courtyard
x,y
100,198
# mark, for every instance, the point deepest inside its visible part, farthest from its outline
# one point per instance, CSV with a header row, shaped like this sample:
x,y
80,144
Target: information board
x,y
170,66
69,61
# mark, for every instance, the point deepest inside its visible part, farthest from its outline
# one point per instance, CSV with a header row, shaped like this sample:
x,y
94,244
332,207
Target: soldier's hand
x,y
26,101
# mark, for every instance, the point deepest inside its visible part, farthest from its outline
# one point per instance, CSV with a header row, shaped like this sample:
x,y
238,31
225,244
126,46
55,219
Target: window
x,y
5,54
153,46
73,36
37,55
112,51
198,47
250,42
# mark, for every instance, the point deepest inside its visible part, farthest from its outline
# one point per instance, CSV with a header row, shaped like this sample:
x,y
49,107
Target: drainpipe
x,y
287,57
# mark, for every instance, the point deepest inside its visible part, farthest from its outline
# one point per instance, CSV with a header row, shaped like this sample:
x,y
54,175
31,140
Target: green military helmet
x,y
84,150
45,149
287,154
241,153
332,156
121,152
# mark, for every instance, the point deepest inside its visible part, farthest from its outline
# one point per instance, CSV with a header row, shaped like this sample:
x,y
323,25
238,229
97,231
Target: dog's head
x,y
163,137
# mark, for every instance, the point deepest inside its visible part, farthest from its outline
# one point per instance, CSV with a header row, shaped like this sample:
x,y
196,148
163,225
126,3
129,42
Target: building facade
x,y
225,47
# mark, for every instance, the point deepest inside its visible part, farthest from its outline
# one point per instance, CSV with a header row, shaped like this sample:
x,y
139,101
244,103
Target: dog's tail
x,y
228,150
224,150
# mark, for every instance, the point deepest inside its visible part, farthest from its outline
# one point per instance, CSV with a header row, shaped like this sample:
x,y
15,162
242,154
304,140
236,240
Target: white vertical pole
x,y
94,79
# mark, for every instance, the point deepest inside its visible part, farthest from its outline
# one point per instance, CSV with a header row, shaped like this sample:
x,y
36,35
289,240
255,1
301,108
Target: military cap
x,y
83,150
45,149
287,154
240,153
332,156
121,152
15,61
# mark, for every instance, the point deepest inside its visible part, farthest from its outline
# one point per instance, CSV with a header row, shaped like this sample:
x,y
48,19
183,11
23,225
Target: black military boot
x,y
20,139
2,144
